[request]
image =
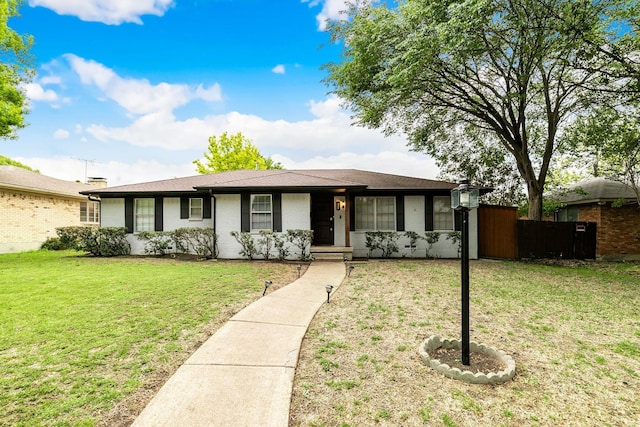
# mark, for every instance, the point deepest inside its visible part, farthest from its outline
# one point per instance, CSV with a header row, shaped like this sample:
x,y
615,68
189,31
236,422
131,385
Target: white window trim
x,y
375,214
95,219
251,212
135,214
191,216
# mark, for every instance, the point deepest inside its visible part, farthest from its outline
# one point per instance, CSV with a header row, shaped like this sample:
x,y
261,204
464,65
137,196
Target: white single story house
x,y
339,205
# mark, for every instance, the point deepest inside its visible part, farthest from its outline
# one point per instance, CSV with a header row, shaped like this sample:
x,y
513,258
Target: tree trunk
x,y
535,203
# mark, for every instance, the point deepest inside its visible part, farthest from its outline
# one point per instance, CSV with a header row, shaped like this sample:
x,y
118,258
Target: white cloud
x,y
139,96
50,80
61,134
393,162
36,92
116,173
331,129
279,69
106,11
332,10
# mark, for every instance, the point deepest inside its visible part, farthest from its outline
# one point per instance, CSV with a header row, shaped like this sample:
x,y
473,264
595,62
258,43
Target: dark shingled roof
x,y
597,190
16,178
319,179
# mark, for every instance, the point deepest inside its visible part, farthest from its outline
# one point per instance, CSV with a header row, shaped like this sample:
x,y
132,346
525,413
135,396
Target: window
x,y
195,209
376,213
261,210
567,214
144,215
89,212
442,213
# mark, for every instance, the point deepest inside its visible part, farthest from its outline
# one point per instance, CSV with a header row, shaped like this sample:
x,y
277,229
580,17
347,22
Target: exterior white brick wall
x,y
414,221
227,213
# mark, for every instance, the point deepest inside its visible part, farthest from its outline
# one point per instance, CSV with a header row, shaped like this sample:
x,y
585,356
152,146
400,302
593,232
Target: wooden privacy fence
x,y
497,236
546,239
502,235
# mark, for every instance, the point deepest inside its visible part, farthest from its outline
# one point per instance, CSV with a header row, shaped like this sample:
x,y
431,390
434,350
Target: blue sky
x,y
133,89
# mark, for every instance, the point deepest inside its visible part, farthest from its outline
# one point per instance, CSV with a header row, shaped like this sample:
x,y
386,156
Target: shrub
x,y
156,242
413,240
245,240
265,243
456,239
302,240
103,241
73,237
201,241
386,241
280,243
53,244
432,238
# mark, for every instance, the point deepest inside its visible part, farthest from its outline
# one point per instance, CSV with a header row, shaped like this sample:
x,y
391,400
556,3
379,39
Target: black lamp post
x,y
464,199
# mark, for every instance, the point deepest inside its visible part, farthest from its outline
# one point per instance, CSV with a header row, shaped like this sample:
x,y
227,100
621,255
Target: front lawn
x,y
87,341
573,331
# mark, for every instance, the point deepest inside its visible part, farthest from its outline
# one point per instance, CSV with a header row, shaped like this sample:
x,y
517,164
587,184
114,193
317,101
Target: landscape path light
x,y
267,283
328,288
351,267
463,199
298,267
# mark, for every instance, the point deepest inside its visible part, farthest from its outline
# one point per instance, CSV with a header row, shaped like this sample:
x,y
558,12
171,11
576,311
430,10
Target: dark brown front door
x,y
322,218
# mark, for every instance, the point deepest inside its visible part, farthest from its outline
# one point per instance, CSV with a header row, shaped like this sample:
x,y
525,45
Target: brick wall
x,y
28,219
618,228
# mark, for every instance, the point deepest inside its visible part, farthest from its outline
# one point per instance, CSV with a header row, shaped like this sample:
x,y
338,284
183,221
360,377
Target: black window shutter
x,y
428,213
245,212
128,214
206,207
158,211
352,212
399,213
276,199
457,219
184,207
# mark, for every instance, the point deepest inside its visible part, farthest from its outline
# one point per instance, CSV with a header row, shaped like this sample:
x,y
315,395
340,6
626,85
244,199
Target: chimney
x,y
97,182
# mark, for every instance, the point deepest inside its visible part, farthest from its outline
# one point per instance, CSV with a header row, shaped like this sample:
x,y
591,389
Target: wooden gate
x,y
497,230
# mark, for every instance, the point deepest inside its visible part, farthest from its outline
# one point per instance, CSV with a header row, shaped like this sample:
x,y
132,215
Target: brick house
x,y
32,206
614,207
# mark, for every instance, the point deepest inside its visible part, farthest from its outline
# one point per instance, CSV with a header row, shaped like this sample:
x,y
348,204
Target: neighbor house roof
x,y
16,178
597,190
293,180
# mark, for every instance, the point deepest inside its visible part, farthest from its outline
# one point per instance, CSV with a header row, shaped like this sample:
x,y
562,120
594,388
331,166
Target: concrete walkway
x,y
243,375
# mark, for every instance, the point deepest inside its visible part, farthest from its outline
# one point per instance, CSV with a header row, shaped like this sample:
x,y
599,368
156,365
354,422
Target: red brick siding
x,y
618,228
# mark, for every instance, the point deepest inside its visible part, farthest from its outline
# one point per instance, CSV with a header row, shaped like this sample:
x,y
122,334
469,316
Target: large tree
x,y
15,70
608,143
511,71
233,152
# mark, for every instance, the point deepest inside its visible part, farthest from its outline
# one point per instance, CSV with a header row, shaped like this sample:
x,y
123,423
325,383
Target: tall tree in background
x,y
505,71
233,152
15,70
608,143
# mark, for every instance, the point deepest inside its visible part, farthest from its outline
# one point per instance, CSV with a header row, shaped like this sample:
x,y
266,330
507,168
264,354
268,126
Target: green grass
x,y
80,334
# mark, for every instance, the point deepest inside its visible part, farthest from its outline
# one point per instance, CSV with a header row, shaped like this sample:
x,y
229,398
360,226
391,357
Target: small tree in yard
x,y
233,152
265,243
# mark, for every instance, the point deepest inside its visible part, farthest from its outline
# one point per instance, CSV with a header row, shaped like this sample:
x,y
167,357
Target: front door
x,y
322,218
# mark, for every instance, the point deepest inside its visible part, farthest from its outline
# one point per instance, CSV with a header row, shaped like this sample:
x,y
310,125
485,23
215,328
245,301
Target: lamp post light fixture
x,y
298,267
267,283
464,199
328,288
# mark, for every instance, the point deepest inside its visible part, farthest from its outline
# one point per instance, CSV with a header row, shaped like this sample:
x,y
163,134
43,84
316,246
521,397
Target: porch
x,y
332,253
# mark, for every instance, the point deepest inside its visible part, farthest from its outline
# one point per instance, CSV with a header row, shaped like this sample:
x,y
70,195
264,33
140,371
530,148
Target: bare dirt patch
x,y
478,362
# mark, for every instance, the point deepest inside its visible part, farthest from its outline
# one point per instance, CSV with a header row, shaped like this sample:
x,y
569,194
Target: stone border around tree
x,y
434,342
